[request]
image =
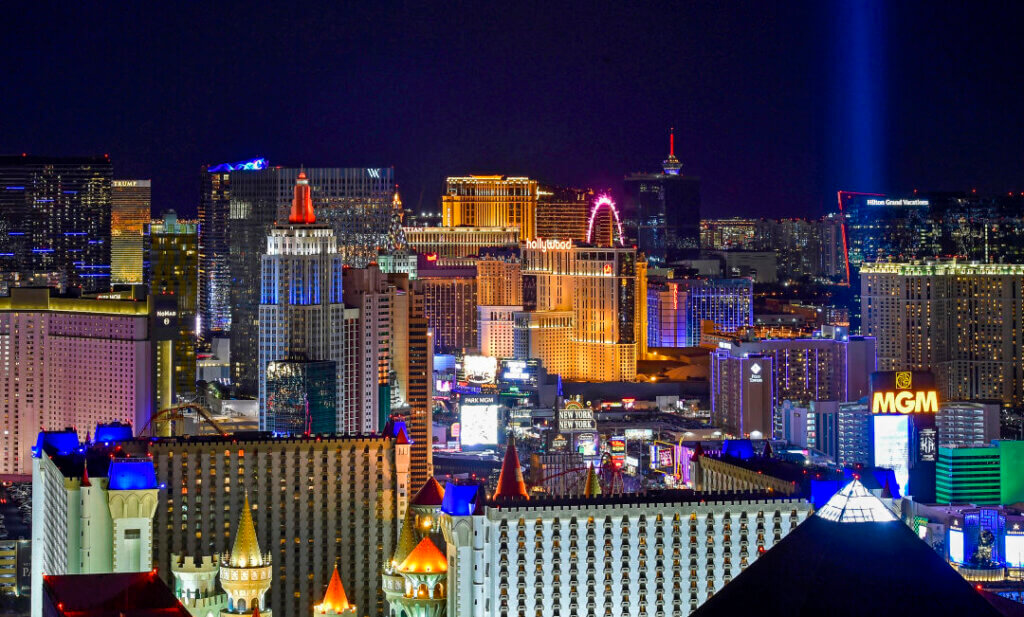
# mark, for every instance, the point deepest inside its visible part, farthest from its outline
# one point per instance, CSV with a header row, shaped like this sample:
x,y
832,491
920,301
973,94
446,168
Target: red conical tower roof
x,y
302,203
430,494
85,475
402,439
510,480
335,599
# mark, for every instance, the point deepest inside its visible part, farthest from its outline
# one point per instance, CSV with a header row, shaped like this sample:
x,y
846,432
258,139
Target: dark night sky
x,y
776,107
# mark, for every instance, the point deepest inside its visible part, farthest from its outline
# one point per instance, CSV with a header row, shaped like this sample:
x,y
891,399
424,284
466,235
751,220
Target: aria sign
x,y
901,396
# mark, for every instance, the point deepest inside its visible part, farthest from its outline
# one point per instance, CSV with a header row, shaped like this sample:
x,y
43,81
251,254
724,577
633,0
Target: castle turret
x,y
245,573
335,601
195,585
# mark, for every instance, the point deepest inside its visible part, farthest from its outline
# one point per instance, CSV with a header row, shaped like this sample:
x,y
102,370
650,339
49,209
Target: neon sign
x,y
905,399
603,201
905,402
253,165
549,245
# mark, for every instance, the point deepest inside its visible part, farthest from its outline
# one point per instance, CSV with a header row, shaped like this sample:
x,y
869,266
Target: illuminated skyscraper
x,y
55,217
174,265
598,286
412,353
358,204
562,213
676,308
71,362
491,201
960,320
130,211
214,245
661,212
499,281
368,291
301,312
449,289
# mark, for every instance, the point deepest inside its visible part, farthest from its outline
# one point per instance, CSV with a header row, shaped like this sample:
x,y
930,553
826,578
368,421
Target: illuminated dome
x,y
424,559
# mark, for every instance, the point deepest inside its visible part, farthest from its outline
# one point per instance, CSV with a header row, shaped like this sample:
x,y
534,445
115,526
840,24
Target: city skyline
x,y
800,101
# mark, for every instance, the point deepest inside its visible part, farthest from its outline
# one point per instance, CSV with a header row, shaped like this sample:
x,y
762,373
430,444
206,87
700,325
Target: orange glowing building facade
x,y
491,201
599,287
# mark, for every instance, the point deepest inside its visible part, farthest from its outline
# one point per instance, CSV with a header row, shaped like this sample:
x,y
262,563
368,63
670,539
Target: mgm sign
x,y
904,392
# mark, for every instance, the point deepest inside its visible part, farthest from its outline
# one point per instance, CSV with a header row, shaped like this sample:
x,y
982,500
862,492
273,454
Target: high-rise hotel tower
x,y
301,323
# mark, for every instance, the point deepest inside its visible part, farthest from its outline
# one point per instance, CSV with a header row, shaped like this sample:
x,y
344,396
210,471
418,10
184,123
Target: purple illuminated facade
x,y
831,366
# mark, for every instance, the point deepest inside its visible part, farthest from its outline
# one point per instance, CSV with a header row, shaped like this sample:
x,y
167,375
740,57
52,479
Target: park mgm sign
x,y
904,392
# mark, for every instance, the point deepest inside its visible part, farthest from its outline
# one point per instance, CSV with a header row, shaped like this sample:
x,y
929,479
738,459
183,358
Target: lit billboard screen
x,y
518,371
892,447
956,545
478,418
663,457
1014,550
586,444
479,369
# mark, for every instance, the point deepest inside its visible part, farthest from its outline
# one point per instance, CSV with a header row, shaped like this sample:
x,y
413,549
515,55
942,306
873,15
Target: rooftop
x,y
139,594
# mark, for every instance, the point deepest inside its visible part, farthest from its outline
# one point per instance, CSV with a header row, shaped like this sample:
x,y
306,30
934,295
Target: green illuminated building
x,y
989,475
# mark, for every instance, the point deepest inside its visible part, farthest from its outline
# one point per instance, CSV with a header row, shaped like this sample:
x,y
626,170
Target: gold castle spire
x,y
245,553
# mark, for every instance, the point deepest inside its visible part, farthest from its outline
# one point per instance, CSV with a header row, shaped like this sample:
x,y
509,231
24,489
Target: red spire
x,y
510,480
302,203
402,439
672,142
85,475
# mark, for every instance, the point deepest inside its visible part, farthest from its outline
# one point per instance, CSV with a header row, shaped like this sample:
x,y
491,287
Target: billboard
x,y
478,416
892,447
523,372
663,457
479,369
904,392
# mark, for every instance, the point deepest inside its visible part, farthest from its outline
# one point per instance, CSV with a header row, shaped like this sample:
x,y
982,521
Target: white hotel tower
x,y
302,314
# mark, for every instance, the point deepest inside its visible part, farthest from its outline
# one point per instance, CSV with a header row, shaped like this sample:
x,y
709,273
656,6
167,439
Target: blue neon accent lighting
x,y
131,475
15,188
6,254
253,165
70,192
459,499
823,490
44,201
76,233
112,432
60,442
398,426
15,233
738,448
42,250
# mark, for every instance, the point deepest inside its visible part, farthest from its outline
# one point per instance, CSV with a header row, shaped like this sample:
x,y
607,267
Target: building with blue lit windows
x,y
677,307
360,205
301,310
55,216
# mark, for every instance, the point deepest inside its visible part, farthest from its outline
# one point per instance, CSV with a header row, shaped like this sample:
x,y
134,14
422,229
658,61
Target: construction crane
x,y
160,422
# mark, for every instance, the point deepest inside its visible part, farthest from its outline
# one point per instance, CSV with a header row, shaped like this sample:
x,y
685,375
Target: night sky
x,y
775,107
